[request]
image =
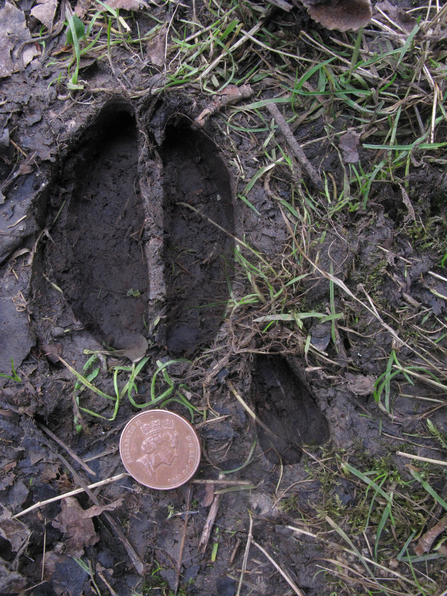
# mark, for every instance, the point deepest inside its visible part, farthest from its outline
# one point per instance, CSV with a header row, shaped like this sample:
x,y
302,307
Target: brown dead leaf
x,y
156,48
207,496
79,531
11,582
360,384
82,7
426,540
343,15
399,16
132,345
320,335
13,32
96,510
44,11
348,143
13,530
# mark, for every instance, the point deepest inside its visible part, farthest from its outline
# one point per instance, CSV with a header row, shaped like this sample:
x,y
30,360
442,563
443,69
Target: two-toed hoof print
x,y
102,245
288,416
140,231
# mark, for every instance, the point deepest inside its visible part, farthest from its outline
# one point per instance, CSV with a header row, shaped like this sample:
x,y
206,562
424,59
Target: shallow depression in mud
x,y
288,415
97,256
199,228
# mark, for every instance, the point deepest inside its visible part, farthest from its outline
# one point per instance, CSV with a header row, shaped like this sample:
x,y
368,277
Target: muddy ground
x,y
117,236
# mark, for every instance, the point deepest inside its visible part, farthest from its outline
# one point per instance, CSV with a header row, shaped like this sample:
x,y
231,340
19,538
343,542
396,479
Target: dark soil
x,y
96,255
117,236
287,409
199,255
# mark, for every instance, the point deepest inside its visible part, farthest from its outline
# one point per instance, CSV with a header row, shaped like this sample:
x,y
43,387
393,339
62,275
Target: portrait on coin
x,y
159,446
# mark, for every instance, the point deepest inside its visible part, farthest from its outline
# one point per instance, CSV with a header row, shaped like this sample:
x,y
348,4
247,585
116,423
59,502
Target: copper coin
x,y
160,449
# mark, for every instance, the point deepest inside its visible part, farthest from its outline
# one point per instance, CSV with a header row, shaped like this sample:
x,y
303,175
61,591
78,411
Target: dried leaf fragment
x,y
348,143
15,532
426,541
13,32
78,529
360,384
44,11
127,4
343,15
156,48
405,21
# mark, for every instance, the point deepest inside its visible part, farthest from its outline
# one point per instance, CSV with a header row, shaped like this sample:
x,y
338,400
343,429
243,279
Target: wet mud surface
x,y
96,254
199,228
289,414
128,244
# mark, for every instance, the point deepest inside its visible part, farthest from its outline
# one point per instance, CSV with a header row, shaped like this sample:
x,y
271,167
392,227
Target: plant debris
x,y
342,15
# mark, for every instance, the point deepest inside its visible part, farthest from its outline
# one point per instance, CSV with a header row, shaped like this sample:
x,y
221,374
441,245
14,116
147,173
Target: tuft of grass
x,y
172,391
14,376
372,535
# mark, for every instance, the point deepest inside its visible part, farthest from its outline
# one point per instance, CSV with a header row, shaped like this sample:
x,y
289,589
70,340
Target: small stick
x,y
247,550
69,494
212,514
42,575
294,145
111,590
225,482
67,448
229,96
292,584
420,458
182,544
249,410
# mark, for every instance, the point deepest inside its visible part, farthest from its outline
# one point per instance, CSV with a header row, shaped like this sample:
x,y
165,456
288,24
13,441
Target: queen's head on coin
x,y
159,445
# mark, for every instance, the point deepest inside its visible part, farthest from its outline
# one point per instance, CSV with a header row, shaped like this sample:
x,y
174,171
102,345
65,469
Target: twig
x,y
420,458
111,590
212,514
225,482
234,47
246,553
230,95
182,544
67,448
249,410
291,583
69,494
294,145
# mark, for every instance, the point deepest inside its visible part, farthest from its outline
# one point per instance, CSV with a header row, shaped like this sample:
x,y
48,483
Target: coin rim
x,y
176,416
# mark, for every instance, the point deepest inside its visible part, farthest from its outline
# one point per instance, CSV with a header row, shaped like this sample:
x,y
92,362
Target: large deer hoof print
x,y
100,254
100,248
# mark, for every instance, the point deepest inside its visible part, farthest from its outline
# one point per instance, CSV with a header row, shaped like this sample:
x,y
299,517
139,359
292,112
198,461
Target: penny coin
x,y
160,449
